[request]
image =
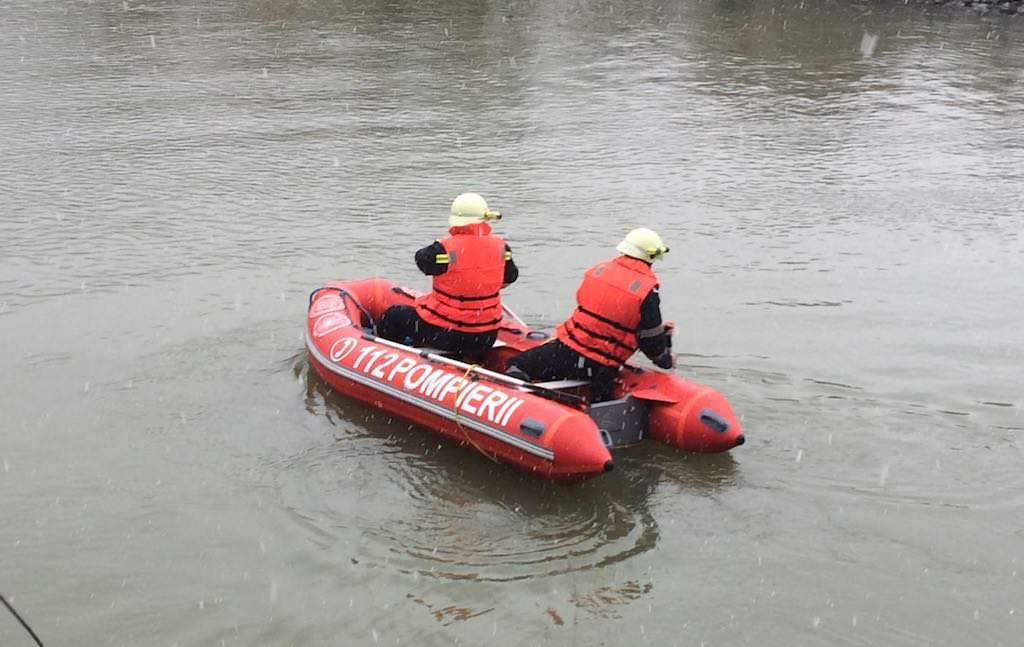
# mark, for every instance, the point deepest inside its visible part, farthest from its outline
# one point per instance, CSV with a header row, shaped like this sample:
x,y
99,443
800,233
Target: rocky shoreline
x,y
978,7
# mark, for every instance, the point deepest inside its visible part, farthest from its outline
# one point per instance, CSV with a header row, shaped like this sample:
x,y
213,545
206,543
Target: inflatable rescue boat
x,y
549,428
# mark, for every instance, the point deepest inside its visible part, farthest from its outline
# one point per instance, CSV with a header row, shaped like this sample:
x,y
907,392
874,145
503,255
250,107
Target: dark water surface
x,y
840,187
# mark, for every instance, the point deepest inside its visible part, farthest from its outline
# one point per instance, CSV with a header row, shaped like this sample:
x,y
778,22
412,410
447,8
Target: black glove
x,y
665,360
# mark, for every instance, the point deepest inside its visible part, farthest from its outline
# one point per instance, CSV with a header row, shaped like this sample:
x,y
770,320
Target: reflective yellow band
x,y
441,258
508,256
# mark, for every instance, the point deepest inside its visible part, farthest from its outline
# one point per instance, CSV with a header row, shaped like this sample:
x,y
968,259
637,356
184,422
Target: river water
x,y
838,183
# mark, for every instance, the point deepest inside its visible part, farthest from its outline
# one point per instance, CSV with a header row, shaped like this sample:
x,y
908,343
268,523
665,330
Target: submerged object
x,y
548,428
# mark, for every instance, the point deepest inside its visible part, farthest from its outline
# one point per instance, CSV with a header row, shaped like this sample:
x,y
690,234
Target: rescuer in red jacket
x,y
618,311
469,268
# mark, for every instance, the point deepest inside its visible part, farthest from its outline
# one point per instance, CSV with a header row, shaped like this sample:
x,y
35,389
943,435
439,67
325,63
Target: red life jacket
x,y
467,296
604,324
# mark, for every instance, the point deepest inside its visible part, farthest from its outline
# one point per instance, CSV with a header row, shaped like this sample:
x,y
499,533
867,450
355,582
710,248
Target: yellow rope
x,y
455,410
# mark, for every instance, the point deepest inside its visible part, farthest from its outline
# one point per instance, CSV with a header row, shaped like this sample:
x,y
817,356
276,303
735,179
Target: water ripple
x,y
462,517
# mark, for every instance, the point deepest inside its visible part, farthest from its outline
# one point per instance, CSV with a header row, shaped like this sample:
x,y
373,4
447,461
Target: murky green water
x,y
845,222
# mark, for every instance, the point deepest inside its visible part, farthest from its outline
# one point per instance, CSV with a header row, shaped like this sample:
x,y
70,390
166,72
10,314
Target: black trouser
x,y
556,361
404,325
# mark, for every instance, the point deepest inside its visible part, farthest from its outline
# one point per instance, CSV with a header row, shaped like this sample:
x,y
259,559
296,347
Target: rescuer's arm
x,y
432,259
511,271
654,336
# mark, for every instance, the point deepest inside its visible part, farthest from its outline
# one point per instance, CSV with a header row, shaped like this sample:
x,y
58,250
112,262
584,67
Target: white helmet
x,y
643,244
470,208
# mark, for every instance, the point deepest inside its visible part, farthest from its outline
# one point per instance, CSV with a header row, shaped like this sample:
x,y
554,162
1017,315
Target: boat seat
x,y
555,385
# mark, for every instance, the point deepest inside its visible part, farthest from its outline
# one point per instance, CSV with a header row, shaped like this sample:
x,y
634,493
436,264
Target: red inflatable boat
x,y
548,428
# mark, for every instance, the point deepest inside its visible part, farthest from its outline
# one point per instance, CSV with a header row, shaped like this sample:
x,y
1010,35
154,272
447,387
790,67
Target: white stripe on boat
x,y
426,405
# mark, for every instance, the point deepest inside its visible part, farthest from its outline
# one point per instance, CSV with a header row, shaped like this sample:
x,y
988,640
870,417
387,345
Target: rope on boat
x,y
369,317
345,294
21,620
455,410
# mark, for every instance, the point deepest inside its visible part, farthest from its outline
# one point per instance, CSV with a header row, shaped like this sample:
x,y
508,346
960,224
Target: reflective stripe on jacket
x,y
603,327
